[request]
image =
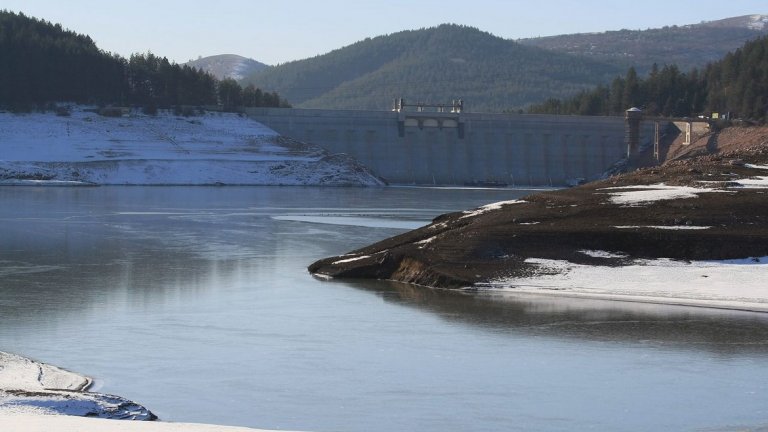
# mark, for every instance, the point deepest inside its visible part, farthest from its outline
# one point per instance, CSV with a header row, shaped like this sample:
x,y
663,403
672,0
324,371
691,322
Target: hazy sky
x,y
282,30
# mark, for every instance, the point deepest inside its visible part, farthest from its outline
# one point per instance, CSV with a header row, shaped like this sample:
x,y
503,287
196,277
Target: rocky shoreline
x,y
707,204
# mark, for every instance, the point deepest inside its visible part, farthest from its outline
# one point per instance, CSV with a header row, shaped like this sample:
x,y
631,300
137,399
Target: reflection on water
x,y
673,327
196,302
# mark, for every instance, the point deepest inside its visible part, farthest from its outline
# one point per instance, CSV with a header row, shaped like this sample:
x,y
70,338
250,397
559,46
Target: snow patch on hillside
x,y
489,207
214,148
640,195
758,22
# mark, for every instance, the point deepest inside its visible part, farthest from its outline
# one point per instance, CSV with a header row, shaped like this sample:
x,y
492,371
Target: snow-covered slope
x,y
757,22
227,66
213,148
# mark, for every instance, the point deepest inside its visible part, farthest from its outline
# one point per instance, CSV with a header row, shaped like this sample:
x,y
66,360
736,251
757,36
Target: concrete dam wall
x,y
444,148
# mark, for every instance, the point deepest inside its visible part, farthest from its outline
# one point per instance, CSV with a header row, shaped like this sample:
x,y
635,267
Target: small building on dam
x,y
452,147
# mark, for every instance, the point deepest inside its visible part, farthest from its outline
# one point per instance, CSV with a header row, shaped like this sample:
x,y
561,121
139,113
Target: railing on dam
x,y
433,148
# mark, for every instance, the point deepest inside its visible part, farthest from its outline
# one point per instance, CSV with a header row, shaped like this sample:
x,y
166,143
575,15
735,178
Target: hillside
x,y
686,46
84,148
435,65
227,66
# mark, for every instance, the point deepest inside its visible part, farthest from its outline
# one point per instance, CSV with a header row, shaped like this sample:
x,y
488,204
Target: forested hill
x,y
433,65
687,46
41,63
738,83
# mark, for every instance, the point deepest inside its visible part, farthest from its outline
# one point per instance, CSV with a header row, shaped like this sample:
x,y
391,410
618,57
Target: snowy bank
x,y
21,373
727,284
36,396
213,148
30,387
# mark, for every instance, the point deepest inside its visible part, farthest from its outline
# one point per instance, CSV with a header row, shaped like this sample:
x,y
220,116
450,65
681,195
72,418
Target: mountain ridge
x,y
687,46
432,64
446,62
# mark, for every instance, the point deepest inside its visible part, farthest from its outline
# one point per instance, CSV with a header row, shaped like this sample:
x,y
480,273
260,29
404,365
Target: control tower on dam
x,y
446,147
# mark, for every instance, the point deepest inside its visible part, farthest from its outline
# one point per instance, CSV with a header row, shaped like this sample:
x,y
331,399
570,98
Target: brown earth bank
x,y
714,215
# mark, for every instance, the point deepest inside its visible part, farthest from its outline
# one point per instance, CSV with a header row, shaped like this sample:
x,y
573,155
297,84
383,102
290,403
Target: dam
x,y
460,148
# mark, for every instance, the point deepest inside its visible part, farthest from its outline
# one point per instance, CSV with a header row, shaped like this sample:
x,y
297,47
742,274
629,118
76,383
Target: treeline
x,y
231,94
737,84
42,63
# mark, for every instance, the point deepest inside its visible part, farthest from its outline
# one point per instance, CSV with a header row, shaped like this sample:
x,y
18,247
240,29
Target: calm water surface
x,y
196,303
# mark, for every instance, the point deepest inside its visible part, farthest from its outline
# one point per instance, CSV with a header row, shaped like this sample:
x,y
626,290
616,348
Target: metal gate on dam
x,y
448,148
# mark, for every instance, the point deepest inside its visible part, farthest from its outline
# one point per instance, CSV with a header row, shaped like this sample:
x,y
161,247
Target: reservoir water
x,y
196,302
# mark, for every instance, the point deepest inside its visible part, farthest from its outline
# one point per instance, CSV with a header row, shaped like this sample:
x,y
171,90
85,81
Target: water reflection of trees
x,y
661,326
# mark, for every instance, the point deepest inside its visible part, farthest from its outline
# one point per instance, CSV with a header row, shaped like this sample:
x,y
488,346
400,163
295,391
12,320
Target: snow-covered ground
x,y
733,284
646,194
36,396
214,148
30,387
21,373
489,207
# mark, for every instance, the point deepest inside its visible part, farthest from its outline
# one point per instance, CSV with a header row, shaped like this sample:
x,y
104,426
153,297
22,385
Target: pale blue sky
x,y
282,30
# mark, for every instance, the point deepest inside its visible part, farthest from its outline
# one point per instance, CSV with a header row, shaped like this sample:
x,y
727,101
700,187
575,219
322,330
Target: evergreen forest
x,y
736,84
42,63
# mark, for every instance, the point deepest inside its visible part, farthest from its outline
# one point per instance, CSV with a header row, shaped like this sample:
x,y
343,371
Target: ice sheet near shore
x,y
734,284
213,148
36,396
